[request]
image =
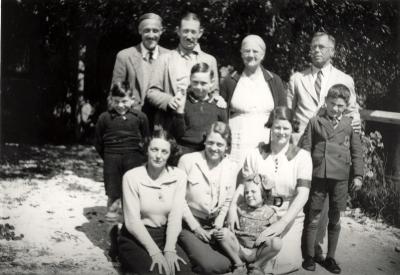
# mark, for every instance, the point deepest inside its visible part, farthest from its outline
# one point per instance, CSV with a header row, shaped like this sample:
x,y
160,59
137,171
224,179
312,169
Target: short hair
x,y
339,91
149,15
202,67
160,132
223,129
283,113
121,89
190,16
265,194
330,37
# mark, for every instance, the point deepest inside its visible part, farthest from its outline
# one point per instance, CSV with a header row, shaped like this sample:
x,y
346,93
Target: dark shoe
x,y
319,259
331,265
309,264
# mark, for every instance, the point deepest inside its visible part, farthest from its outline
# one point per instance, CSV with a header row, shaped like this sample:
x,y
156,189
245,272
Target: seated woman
x,y
256,213
153,199
196,111
290,168
211,184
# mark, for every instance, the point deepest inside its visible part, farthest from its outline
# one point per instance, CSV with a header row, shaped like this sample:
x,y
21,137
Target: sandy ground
x,y
54,196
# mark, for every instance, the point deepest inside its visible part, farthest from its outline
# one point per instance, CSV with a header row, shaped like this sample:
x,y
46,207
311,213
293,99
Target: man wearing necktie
x,y
171,76
135,64
306,94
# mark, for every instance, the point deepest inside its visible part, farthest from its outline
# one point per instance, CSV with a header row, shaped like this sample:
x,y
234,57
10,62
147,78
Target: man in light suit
x,y
306,94
305,97
136,63
171,76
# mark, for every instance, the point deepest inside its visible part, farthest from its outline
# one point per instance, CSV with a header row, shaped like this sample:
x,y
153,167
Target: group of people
x,y
238,175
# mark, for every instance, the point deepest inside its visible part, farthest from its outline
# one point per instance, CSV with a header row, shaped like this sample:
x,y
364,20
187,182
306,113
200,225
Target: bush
x,y
378,197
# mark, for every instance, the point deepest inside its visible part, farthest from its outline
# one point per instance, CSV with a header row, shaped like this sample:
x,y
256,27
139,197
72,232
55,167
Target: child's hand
x,y
357,183
218,234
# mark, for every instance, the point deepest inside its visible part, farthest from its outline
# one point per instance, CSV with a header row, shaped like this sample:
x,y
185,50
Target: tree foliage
x,y
43,42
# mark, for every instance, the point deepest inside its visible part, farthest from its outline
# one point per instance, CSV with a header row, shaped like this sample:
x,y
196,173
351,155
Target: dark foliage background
x,y
46,43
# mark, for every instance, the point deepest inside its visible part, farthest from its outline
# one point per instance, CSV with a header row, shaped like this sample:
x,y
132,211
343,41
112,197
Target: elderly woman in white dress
x,y
290,168
251,96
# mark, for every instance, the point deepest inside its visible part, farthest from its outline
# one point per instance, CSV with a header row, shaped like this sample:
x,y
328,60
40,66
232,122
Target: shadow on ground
x,y
97,231
44,162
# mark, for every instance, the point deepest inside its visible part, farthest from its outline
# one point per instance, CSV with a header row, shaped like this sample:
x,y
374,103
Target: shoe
x,y
319,259
331,265
309,263
239,270
255,270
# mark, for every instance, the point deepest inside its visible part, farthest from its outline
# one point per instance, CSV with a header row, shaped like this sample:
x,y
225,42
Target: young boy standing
x,y
120,134
334,147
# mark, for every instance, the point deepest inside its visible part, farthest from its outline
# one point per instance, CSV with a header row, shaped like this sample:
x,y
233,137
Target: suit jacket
x,y
164,85
333,150
302,98
274,82
130,66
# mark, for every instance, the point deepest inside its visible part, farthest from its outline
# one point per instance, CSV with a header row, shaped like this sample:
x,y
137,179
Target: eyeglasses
x,y
320,47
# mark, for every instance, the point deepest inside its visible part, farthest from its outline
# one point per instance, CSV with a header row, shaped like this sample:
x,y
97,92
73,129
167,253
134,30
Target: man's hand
x,y
357,183
220,101
173,103
356,125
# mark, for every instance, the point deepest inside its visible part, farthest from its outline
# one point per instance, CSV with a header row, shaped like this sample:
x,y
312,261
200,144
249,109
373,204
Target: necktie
x,y
335,122
317,84
150,57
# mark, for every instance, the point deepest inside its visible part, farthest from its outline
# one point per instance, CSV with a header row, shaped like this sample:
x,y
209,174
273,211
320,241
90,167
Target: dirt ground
x,y
54,197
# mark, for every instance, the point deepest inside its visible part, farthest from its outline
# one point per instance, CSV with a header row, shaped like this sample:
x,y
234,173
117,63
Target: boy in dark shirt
x,y
120,134
196,111
334,147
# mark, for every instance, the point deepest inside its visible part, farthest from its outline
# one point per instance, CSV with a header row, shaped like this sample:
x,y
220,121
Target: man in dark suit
x,y
334,147
135,64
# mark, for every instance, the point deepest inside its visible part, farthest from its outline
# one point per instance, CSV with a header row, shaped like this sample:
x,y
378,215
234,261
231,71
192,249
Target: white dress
x,y
251,105
285,173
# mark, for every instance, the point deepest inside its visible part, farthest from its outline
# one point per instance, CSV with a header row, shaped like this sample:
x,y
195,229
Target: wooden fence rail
x,y
380,116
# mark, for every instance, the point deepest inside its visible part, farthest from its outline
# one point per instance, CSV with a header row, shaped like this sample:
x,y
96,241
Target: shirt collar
x,y
145,52
325,70
193,99
183,52
114,113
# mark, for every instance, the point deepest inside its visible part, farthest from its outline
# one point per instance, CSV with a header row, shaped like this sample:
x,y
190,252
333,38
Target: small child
x,y
197,110
255,214
120,134
334,147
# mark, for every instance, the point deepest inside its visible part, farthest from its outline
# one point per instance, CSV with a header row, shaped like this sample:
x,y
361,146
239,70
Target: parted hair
x,y
339,91
160,132
202,68
190,16
283,113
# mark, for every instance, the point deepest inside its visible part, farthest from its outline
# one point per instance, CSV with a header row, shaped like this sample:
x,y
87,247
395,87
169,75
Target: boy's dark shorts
x,y
115,166
337,190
